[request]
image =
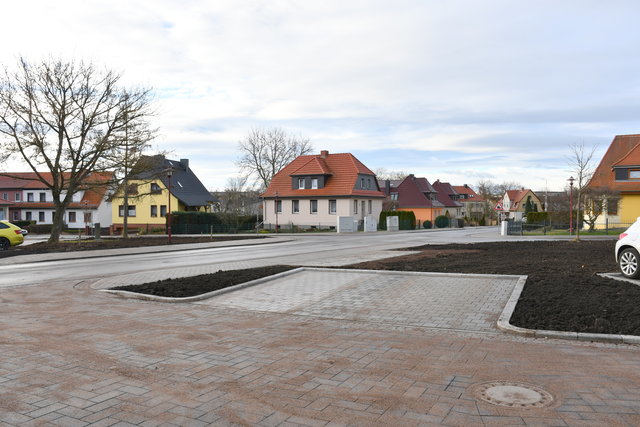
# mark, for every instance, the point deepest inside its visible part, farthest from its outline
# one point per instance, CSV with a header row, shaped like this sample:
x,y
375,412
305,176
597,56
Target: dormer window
x,y
301,183
314,183
362,183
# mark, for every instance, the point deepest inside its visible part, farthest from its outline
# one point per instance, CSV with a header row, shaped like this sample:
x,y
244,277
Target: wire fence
x,y
554,228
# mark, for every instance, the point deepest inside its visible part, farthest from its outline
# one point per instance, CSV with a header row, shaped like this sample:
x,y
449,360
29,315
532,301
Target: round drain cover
x,y
515,395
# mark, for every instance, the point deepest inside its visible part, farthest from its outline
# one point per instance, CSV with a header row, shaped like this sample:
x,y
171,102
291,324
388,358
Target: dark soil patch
x,y
197,285
563,291
112,243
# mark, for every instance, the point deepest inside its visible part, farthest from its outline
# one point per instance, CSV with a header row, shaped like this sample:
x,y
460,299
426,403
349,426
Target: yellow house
x,y
616,182
149,197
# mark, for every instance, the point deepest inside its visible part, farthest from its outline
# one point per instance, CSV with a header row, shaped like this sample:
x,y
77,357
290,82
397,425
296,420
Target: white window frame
x,y
301,183
295,206
314,183
312,209
278,206
333,204
18,197
355,206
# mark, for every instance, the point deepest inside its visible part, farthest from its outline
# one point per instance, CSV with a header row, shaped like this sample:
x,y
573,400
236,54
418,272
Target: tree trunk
x,y
58,221
125,214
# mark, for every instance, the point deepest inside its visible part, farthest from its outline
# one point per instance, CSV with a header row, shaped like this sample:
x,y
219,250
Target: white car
x,y
628,251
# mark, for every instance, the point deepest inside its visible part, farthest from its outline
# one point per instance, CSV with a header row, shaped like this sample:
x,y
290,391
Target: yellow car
x,y
10,235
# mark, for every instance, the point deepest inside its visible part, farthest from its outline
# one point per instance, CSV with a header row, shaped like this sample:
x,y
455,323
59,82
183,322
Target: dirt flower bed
x,y
563,291
112,243
197,285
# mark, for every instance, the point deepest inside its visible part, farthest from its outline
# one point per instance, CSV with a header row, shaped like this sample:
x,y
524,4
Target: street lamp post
x,y
169,174
571,179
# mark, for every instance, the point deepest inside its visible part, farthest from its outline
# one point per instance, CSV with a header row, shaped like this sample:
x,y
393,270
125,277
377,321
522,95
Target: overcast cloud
x,y
457,91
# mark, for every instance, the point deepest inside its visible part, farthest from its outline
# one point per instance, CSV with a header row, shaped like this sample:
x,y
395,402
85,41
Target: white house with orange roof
x,y
314,190
514,203
474,205
25,198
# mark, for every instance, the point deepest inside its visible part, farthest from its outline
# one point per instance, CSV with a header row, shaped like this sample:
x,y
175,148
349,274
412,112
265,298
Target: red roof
x,y
472,196
411,193
92,197
623,151
341,174
444,190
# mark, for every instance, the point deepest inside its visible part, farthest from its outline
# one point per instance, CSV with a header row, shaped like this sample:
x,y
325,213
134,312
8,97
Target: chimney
x,y
387,187
324,154
185,164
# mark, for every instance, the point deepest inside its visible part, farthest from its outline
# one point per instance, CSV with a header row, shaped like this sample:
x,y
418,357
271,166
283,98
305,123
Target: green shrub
x,y
537,217
483,221
427,224
442,221
206,222
406,219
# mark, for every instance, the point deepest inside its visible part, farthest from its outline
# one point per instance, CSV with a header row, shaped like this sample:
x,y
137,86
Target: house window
x,y
295,206
355,206
29,197
163,210
154,210
72,217
369,183
131,210
362,183
43,197
40,216
634,174
16,216
394,196
87,218
369,210
314,206
18,197
314,183
301,183
612,206
278,206
5,196
333,206
28,216
155,188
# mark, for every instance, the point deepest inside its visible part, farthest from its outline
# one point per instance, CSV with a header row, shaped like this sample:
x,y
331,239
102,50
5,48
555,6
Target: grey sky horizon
x,y
458,91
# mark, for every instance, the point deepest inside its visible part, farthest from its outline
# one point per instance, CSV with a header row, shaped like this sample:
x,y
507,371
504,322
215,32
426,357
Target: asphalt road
x,y
301,248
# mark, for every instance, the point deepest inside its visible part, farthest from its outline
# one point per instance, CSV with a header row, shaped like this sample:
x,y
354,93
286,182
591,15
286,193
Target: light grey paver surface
x,y
465,302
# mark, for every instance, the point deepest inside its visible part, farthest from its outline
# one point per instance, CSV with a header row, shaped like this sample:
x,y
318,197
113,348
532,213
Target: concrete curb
x,y
145,297
100,253
505,317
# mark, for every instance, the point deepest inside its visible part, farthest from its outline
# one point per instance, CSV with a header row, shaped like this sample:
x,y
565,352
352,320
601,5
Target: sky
x,y
459,91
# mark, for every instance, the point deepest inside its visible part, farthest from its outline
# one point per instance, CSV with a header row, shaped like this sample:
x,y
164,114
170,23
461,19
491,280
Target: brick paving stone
x,y
355,350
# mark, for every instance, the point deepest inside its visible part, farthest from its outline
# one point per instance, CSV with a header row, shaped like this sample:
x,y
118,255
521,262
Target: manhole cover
x,y
515,395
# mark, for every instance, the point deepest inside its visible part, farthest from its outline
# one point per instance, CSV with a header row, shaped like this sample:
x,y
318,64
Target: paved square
x,y
71,355
449,301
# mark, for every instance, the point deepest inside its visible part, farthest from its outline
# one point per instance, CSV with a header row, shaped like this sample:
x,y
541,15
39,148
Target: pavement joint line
x,y
505,325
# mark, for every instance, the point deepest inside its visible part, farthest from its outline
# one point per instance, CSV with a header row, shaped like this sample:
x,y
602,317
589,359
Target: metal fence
x,y
521,228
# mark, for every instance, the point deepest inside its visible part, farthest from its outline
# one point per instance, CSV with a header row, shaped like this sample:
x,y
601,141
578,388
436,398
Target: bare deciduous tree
x,y
596,200
67,118
383,173
580,162
264,152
